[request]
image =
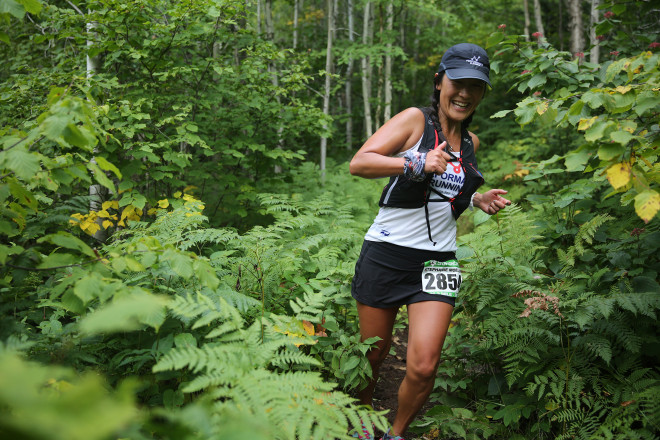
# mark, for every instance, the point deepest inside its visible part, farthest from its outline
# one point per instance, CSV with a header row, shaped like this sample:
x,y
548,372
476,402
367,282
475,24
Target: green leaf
x,y
21,194
597,130
100,177
610,151
103,163
576,160
620,103
501,114
592,99
4,38
618,8
130,312
78,136
646,100
13,8
622,137
604,27
31,6
180,263
23,163
6,251
537,80
494,39
89,287
206,274
185,340
58,260
66,240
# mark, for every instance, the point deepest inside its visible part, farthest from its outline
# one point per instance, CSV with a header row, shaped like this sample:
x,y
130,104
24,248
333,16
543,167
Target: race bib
x,y
442,278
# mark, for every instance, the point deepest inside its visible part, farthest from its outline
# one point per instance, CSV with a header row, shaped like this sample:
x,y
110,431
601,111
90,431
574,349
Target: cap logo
x,y
475,61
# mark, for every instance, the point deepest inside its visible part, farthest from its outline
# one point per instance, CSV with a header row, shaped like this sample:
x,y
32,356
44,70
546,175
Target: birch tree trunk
x,y
268,16
388,63
97,193
575,26
326,94
526,11
349,76
366,77
538,20
594,54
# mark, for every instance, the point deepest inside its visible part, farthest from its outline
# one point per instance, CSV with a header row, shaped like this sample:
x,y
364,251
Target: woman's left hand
x,y
491,201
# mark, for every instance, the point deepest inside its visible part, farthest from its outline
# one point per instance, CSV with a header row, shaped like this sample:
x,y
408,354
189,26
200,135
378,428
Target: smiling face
x,y
459,98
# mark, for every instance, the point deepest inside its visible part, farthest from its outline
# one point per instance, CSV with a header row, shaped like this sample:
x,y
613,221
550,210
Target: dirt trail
x,y
392,373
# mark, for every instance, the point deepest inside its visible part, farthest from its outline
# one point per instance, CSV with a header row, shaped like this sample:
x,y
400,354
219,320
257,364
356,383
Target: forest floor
x,y
392,373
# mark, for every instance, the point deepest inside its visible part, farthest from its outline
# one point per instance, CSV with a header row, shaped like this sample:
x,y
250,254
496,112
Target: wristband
x,y
413,167
471,206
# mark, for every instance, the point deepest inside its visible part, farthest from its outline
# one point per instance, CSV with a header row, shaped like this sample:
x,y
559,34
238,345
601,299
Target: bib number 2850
x,y
442,278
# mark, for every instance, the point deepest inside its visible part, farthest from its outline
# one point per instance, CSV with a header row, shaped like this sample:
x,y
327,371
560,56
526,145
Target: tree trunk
x,y
258,17
526,11
295,24
349,77
268,16
538,20
388,63
560,24
326,94
594,55
576,27
366,77
97,193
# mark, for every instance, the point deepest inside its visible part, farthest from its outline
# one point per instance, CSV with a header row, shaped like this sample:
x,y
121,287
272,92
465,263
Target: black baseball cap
x,y
466,60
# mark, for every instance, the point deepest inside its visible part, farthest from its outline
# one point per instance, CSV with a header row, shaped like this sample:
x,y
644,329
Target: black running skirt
x,y
388,275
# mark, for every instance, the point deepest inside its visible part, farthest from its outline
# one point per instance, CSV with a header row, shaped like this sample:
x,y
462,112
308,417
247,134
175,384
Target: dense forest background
x,y
178,227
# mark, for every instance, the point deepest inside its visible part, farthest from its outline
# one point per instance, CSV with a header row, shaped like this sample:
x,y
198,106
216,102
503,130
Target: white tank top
x,y
407,227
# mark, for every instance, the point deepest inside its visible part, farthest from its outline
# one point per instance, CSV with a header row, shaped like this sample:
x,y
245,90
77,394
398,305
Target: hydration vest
x,y
402,192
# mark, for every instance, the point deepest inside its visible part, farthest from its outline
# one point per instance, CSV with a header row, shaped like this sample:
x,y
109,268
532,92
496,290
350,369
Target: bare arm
x,y
398,134
491,201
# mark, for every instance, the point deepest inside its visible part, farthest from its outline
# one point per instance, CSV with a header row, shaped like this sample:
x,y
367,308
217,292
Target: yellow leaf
x,y
104,214
619,174
177,195
163,203
152,211
110,204
586,123
623,90
647,205
309,327
92,229
107,224
542,107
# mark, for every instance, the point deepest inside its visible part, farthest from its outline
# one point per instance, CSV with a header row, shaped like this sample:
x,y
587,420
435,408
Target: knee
x,y
377,355
423,369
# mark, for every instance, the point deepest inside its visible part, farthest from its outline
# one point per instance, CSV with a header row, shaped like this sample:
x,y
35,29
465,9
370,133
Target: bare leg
x,y
375,322
428,325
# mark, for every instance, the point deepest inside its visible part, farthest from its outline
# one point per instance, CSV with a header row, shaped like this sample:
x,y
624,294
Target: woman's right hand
x,y
436,160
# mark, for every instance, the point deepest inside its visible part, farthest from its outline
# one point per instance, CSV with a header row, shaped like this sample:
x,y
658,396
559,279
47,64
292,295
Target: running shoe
x,y
389,437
